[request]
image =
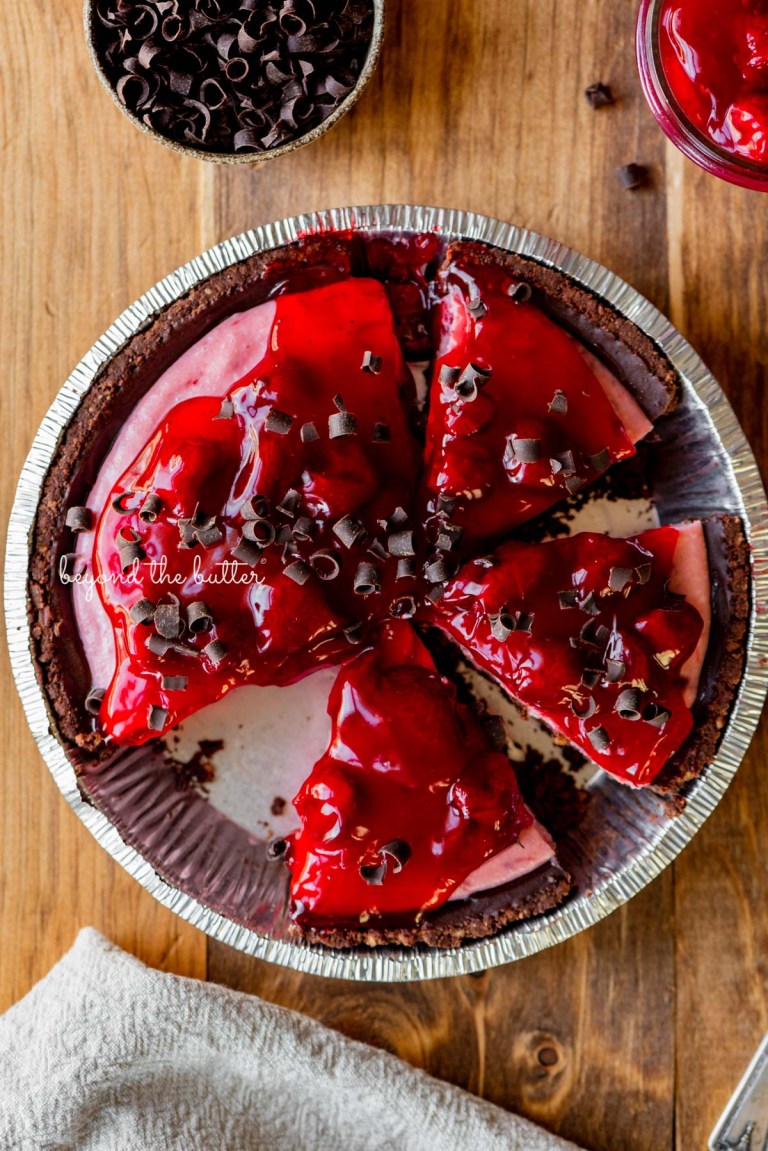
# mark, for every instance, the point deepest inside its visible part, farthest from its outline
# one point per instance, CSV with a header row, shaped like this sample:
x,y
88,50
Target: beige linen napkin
x,y
106,1054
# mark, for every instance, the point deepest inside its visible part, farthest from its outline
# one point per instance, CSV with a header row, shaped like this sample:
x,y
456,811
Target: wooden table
x,y
654,1013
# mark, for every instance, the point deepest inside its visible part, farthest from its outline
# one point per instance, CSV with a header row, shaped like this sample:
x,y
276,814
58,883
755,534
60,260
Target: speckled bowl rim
x,y
346,104
519,940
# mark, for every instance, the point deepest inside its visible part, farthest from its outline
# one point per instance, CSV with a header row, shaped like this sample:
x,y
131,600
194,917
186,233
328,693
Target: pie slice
x,y
521,414
410,806
603,639
235,548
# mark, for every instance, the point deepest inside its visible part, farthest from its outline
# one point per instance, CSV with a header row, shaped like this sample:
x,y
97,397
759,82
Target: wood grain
x,y
482,106
82,237
633,1034
718,256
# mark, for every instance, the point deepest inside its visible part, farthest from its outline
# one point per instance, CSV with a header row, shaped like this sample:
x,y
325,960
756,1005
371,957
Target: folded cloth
x,y
106,1054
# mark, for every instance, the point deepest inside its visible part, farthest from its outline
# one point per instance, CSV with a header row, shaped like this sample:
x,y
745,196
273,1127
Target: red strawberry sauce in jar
x,y
704,69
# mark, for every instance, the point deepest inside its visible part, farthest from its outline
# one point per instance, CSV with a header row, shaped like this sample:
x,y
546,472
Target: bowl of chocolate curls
x,y
234,81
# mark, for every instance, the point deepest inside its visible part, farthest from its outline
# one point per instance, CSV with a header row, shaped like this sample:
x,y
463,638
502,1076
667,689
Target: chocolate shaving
x,y
629,703
437,571
129,554
373,874
574,484
436,592
398,851
589,604
304,528
341,424
371,363
401,544
591,677
298,571
564,464
643,573
246,552
354,633
584,710
449,536
378,551
276,849
159,646
325,564
655,715
226,411
255,508
199,617
567,599
290,503
615,670
158,717
502,623
523,622
209,536
94,699
471,380
381,433
446,504
558,406
309,433
618,578
476,308
519,292
406,568
349,530
279,422
142,612
449,376
150,508
118,503
367,579
403,607
599,738
523,451
601,460
259,531
216,652
598,95
79,519
633,176
167,620
174,683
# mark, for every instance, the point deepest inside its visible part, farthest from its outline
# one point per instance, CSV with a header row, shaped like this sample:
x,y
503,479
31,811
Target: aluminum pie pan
x,y
657,838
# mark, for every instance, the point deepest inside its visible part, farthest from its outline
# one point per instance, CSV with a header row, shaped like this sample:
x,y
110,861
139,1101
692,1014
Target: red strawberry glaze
x,y
406,765
274,630
648,634
471,453
714,54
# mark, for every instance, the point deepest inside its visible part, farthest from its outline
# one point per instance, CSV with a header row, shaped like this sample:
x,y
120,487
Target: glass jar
x,y
680,92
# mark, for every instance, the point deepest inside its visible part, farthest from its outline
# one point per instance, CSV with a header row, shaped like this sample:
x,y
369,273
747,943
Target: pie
x,y
350,453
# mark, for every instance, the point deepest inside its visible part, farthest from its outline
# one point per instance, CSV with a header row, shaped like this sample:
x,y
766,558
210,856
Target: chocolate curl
x,y
172,29
212,94
133,91
247,140
144,22
237,69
